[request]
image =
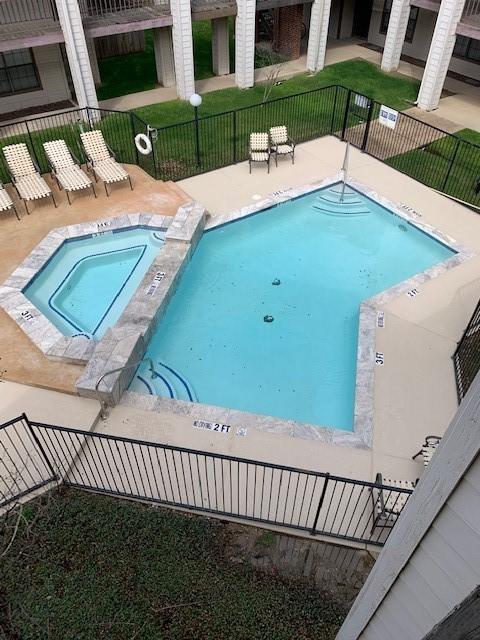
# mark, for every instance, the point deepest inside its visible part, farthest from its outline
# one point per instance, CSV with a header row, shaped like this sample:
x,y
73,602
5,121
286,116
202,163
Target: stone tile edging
x,y
42,332
123,346
362,435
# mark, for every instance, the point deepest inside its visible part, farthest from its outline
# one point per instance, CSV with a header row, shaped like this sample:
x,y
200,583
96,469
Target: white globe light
x,y
195,100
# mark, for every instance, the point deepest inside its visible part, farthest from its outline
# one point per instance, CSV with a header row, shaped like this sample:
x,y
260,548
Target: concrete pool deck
x,y
414,389
20,360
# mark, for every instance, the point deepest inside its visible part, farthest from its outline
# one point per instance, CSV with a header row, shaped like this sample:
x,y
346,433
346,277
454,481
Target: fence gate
x,y
356,120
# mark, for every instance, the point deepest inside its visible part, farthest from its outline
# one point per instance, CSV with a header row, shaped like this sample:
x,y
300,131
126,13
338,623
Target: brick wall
x,y
287,30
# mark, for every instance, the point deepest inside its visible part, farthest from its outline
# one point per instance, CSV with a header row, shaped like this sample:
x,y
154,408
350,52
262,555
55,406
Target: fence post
x,y
334,108
32,146
40,446
452,162
367,126
234,136
347,111
320,504
132,125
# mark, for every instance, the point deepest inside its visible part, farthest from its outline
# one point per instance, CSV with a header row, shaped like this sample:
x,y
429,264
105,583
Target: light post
x,y
196,101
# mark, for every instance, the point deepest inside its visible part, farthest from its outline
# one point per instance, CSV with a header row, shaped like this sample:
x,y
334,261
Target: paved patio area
x,y
20,360
414,390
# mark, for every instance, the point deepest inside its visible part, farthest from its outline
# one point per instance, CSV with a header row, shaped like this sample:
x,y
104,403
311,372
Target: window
x,y
467,48
18,72
412,20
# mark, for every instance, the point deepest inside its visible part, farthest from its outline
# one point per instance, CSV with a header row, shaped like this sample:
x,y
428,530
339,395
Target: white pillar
x,y
92,54
183,48
77,52
317,37
220,47
440,54
164,62
397,28
245,44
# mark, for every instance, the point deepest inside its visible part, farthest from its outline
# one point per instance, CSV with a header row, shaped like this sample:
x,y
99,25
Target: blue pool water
x,y
88,282
213,343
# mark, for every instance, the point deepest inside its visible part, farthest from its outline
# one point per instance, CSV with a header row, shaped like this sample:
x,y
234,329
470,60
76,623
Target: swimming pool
x,y
265,318
87,283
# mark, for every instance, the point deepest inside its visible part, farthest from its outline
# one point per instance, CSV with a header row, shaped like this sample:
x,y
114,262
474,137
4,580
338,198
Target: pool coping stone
x,y
362,434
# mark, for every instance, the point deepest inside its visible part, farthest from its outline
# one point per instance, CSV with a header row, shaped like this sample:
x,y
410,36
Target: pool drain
x,y
276,282
268,318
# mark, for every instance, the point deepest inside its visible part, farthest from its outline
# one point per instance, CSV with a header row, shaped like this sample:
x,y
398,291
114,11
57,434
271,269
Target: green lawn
x,y
136,71
433,166
362,76
90,567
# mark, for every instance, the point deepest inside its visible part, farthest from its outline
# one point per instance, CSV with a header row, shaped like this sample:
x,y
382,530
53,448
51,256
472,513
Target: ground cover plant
x,y
83,566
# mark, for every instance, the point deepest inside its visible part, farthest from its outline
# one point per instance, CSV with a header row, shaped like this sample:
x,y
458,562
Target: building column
x,y
440,53
164,61
92,54
77,53
183,48
397,28
220,47
245,44
317,37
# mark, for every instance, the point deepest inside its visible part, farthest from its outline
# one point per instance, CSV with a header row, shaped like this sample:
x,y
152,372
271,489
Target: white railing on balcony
x,y
14,11
472,8
92,8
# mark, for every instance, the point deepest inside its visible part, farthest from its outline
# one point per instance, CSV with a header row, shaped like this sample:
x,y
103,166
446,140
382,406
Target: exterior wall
x,y
431,560
287,30
52,77
421,40
444,569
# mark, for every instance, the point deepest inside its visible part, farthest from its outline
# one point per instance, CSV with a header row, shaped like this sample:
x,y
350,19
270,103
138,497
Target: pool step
x,y
165,382
341,209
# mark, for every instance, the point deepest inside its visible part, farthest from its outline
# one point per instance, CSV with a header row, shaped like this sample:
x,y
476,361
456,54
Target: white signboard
x,y
388,117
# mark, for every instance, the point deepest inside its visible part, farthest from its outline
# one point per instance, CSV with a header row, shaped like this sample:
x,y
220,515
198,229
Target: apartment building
x,y
47,47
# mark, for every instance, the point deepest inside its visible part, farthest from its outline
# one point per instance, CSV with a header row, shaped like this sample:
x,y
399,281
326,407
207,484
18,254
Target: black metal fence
x,y
34,455
466,358
434,157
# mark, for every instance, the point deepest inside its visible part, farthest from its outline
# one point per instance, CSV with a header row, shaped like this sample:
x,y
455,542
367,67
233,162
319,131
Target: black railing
x,y
34,455
434,157
466,358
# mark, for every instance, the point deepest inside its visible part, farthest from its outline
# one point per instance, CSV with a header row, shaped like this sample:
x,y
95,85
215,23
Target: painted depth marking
x,y
212,426
380,319
26,315
379,358
157,278
412,293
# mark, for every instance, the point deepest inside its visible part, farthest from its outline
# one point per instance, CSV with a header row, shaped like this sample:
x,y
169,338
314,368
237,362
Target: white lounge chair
x,y
101,159
388,503
428,449
259,150
281,143
6,203
66,169
26,177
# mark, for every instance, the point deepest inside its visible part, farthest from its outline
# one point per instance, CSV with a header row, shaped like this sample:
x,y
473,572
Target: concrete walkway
x,y
458,111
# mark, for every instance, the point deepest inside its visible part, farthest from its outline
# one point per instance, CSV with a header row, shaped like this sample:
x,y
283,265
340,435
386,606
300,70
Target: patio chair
x,y
6,203
281,143
259,150
428,449
101,159
66,168
25,174
388,503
